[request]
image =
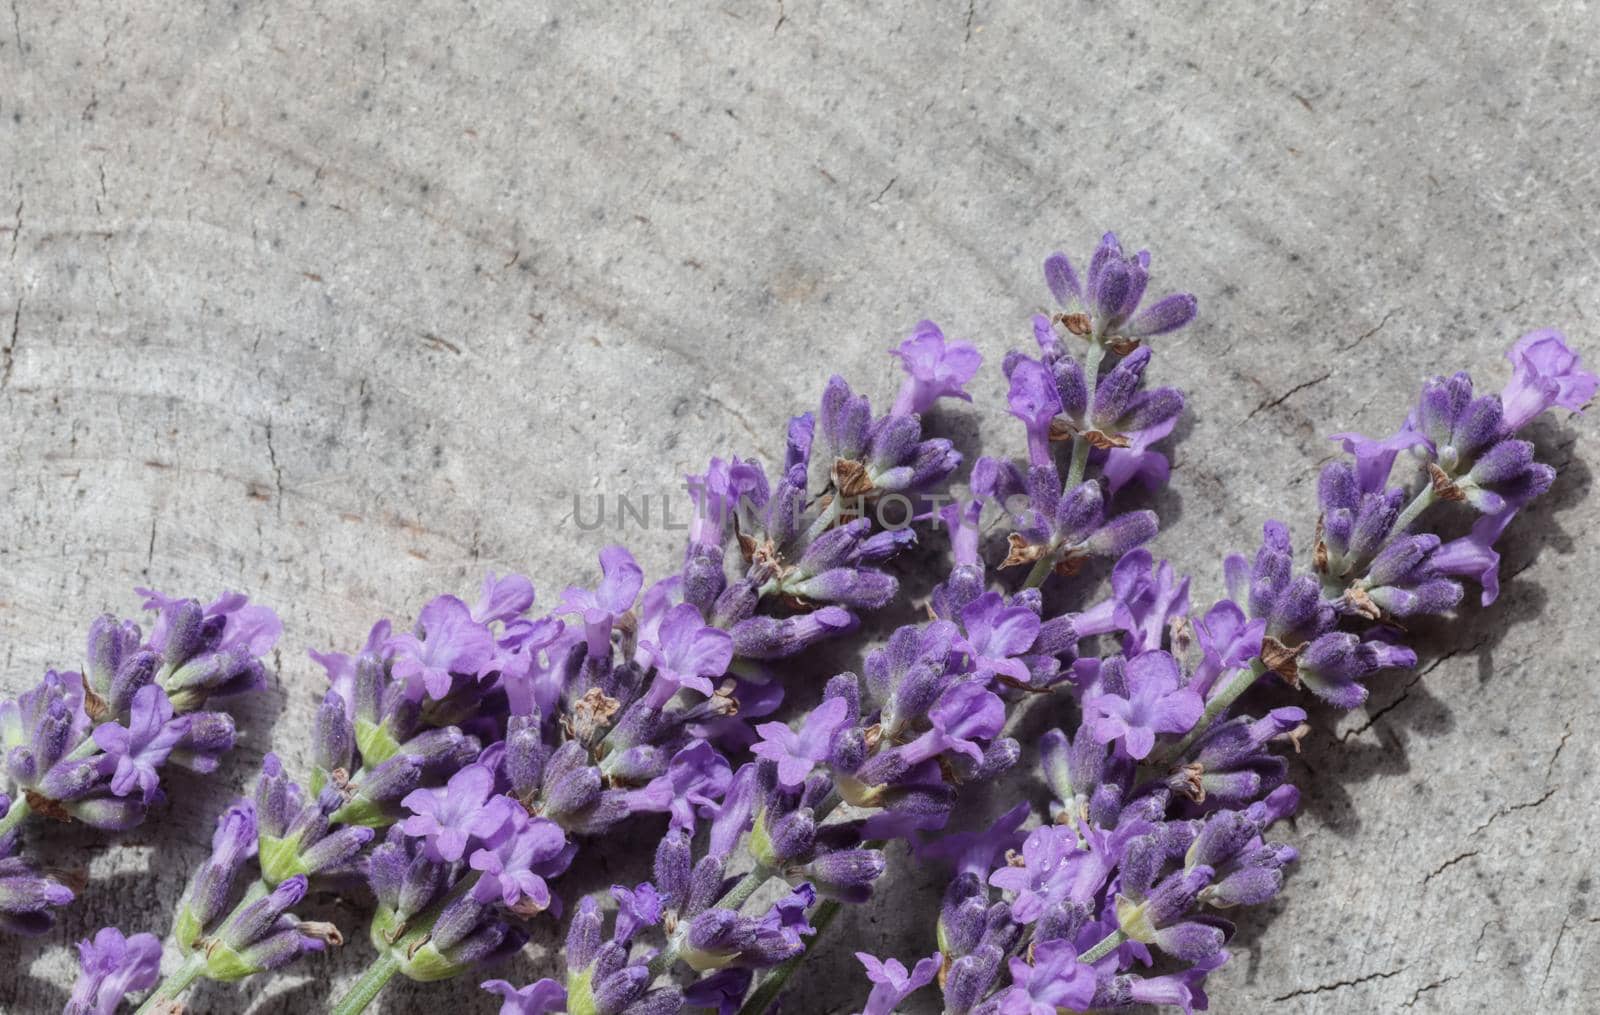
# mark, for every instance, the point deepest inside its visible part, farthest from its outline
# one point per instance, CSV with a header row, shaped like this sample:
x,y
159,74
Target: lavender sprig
x,y
90,746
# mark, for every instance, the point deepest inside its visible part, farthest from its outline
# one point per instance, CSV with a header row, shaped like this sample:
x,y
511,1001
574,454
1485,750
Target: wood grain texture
x,y
343,303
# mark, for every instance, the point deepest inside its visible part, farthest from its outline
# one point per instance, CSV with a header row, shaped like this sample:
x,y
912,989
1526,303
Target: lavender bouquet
x,y
89,747
465,761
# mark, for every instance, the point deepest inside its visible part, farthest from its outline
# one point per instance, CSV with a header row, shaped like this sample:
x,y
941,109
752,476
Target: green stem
x,y
767,993
16,815
1103,947
1041,571
372,981
1241,682
829,515
175,984
1419,504
739,894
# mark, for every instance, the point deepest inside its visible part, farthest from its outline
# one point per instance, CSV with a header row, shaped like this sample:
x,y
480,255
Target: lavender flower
x,y
114,966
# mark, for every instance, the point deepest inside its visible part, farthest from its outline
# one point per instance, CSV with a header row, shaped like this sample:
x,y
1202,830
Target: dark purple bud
x,y
621,988
336,849
915,695
107,813
637,765
1123,533
386,869
440,753
671,874
459,918
524,756
1115,390
567,791
137,670
705,884
111,642
492,942
852,587
703,577
251,923
737,603
770,638
715,931
181,624
1226,833
1374,520
661,1001
424,882
333,739
963,914
584,935
1167,314
789,840
969,979
847,874
74,780
1439,595
1061,921
390,781
1479,425
1071,386
370,688
1062,281
207,737
1192,940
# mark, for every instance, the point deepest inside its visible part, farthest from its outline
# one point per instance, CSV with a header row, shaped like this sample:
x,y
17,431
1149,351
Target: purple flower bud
x,y
137,671
671,872
253,922
850,587
847,874
333,738
109,813
1117,387
970,978
770,638
1192,940
963,912
1164,315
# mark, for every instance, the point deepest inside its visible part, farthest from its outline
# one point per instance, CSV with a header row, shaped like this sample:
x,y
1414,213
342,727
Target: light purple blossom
x,y
892,983
450,642
141,747
503,598
934,369
687,653
1038,880
538,998
964,714
620,581
797,753
451,816
1152,703
519,857
996,634
113,966
1056,980
1544,373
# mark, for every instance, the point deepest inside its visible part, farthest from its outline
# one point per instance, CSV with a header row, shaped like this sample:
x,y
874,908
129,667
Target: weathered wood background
x,y
343,303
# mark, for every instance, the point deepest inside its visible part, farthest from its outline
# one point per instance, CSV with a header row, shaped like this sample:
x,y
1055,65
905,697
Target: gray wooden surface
x,y
342,303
